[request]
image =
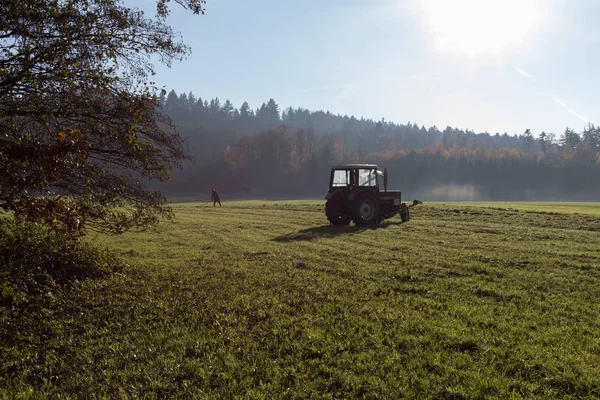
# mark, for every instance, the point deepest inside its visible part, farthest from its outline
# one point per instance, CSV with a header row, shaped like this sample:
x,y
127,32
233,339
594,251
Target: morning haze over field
x,y
403,199
462,100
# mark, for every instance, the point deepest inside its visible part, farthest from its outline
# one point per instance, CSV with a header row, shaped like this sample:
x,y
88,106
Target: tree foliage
x,y
80,131
266,154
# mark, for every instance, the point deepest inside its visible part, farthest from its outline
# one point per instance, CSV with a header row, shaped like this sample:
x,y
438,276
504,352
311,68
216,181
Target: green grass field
x,y
265,300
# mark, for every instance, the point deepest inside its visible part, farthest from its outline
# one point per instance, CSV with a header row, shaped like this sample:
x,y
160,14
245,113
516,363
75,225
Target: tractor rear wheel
x,y
336,212
366,209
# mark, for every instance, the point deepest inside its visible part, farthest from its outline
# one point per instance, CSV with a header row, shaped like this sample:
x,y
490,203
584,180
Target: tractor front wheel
x,y
366,209
335,211
404,213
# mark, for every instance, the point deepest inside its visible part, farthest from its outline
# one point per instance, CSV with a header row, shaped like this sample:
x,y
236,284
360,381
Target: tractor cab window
x,y
367,177
341,178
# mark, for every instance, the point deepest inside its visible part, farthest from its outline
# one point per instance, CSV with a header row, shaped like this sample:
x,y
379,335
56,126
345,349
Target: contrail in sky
x,y
349,91
554,97
525,73
385,77
569,109
314,89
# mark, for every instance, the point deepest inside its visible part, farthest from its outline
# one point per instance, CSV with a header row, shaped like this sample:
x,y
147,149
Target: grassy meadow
x,y
264,300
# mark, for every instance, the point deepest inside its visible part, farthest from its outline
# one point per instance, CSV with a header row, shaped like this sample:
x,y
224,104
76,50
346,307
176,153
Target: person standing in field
x,y
215,198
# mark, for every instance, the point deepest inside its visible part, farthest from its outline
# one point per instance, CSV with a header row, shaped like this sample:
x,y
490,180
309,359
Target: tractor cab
x,y
366,176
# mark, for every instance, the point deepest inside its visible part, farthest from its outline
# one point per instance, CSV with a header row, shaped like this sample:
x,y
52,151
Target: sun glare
x,y
478,28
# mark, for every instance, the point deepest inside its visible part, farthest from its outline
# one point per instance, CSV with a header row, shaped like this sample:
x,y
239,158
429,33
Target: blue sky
x,y
486,65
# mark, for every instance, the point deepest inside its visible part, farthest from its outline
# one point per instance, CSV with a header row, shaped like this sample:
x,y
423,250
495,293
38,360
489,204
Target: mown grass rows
x,y
265,300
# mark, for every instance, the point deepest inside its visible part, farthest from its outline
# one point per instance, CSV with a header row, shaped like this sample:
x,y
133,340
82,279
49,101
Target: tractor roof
x,y
350,166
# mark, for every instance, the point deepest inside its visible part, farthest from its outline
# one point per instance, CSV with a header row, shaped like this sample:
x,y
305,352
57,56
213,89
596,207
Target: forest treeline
x,y
267,152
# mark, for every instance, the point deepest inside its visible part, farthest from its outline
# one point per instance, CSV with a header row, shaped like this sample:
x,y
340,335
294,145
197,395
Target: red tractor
x,y
354,194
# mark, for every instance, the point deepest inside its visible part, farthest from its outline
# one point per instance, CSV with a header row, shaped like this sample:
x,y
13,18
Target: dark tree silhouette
x,y
528,140
246,148
78,115
570,137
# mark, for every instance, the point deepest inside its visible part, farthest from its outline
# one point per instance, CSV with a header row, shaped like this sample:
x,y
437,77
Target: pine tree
x,y
591,136
528,140
543,143
215,107
245,110
227,110
272,110
570,137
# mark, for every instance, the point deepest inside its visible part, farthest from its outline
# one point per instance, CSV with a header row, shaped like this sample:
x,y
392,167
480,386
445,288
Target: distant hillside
x,y
264,152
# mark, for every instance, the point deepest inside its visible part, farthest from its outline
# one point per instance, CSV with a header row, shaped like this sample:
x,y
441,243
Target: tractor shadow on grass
x,y
329,231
